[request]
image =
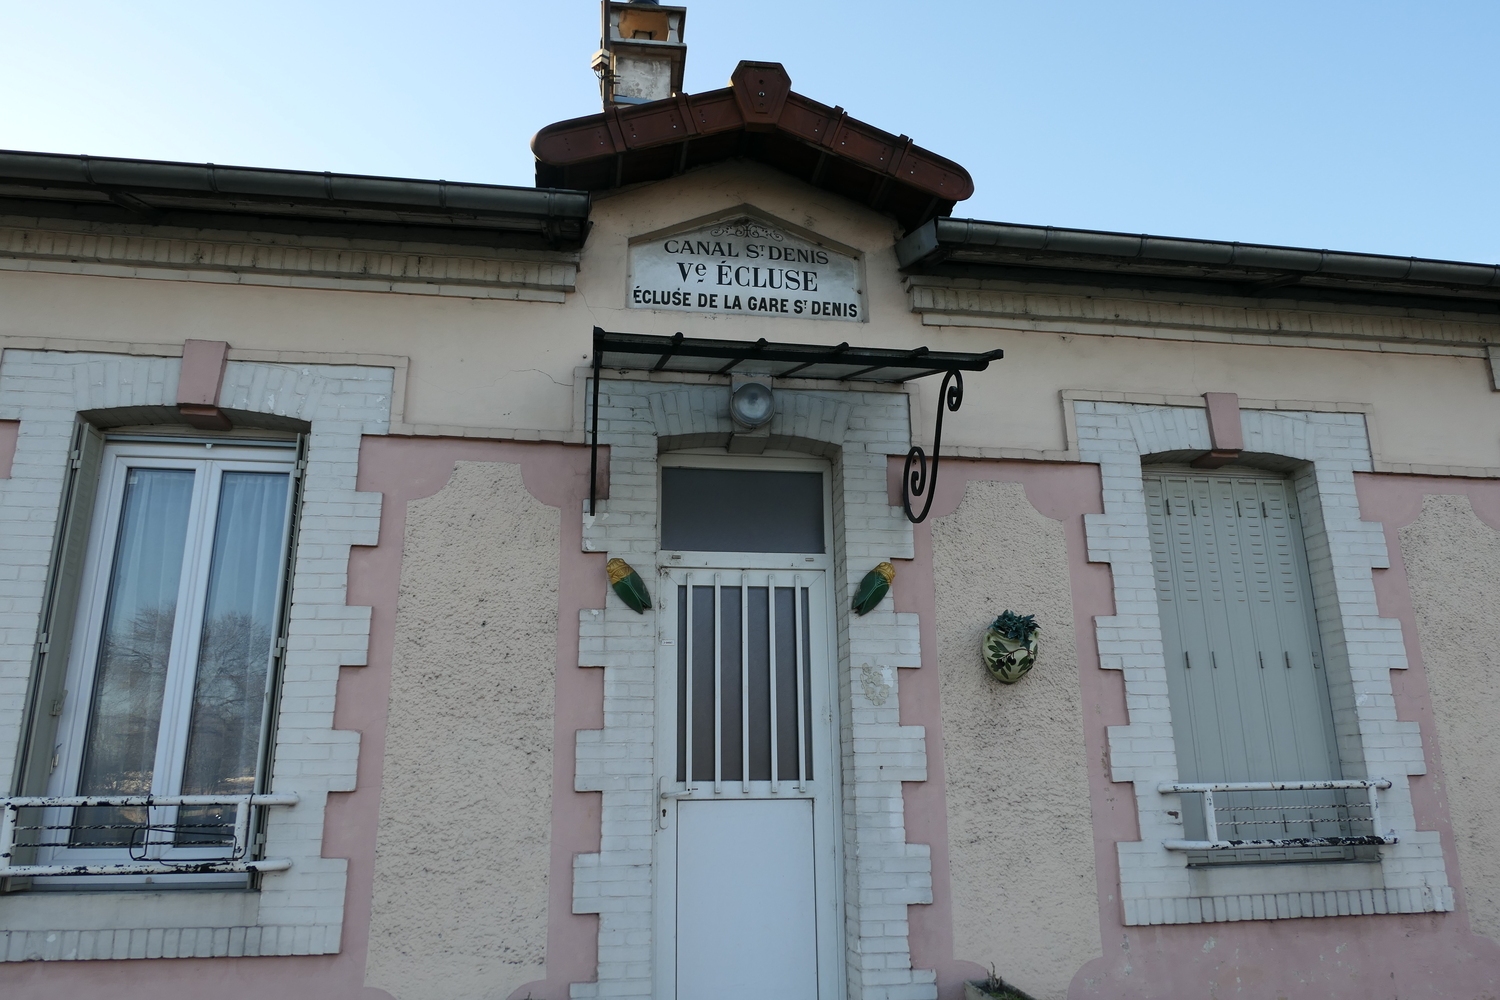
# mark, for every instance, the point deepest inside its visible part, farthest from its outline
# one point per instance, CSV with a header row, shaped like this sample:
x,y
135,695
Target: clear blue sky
x,y
1370,126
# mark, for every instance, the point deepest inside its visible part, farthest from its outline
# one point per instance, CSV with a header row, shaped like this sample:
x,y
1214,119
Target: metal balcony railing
x,y
1250,815
163,834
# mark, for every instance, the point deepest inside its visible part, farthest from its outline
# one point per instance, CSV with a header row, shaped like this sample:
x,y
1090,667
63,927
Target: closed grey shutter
x,y
1249,698
60,609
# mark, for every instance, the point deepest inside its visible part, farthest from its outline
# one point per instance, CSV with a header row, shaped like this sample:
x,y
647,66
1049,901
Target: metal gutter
x,y
300,185
977,242
167,192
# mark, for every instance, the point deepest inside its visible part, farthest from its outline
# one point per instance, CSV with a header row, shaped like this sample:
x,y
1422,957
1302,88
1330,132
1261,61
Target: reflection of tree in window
x,y
132,724
134,652
234,652
135,658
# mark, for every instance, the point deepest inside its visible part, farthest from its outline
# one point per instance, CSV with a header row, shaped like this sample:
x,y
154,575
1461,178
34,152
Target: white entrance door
x,y
747,854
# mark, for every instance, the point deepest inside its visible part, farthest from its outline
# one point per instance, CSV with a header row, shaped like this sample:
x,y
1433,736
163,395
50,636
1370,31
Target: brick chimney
x,y
641,52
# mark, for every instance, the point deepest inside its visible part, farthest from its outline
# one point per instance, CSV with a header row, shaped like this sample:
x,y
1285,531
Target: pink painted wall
x,y
1359,958
10,430
1431,956
403,469
406,469
1064,492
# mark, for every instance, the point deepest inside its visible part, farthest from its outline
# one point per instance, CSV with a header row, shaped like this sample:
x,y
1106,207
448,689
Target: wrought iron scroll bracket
x,y
916,483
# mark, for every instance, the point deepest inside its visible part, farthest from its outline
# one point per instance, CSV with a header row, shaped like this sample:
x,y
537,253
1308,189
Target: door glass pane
x,y
135,645
786,683
760,715
234,656
701,665
759,693
741,510
731,744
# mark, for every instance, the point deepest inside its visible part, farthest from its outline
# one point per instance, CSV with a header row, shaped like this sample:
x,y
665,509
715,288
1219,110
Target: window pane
x,y
135,645
239,620
741,510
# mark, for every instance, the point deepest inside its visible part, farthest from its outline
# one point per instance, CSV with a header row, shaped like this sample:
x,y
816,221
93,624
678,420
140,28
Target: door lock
x,y
663,797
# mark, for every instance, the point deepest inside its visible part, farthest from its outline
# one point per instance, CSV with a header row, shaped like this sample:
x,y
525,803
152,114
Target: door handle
x,y
663,796
662,793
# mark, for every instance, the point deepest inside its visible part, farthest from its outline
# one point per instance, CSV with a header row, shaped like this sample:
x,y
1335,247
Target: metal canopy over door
x,y
1249,695
747,833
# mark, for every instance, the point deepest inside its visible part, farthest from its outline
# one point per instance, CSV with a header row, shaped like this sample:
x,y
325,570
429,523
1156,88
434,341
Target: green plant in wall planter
x,y
1009,647
992,988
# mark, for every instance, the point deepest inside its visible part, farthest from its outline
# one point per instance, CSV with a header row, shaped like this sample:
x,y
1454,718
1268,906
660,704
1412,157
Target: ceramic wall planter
x,y
1009,647
992,990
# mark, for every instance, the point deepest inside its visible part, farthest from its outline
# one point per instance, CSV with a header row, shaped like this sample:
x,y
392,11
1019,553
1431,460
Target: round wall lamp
x,y
752,404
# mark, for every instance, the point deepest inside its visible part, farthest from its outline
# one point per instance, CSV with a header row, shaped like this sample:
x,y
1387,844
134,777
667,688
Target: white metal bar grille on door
x,y
743,680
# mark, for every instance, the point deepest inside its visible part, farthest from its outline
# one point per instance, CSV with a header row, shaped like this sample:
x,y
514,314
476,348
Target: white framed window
x,y
1322,450
321,413
1246,675
170,681
760,510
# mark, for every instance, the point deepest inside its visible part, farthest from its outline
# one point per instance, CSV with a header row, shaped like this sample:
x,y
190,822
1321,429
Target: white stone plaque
x,y
745,267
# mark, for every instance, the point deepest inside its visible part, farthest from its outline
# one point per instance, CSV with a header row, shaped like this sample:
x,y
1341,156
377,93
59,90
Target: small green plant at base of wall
x,y
992,988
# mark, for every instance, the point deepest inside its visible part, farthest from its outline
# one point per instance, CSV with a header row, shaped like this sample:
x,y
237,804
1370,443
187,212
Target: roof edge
x,y
662,139
310,185
979,243
209,195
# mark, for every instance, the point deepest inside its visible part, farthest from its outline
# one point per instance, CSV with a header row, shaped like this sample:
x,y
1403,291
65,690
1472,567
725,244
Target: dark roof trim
x,y
756,117
171,193
841,362
1003,249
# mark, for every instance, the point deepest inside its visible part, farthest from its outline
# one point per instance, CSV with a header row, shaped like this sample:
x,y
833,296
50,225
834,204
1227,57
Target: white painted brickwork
x,y
300,911
1361,649
883,874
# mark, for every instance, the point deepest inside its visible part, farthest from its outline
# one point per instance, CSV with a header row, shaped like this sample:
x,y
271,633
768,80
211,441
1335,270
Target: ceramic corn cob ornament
x,y
873,588
628,584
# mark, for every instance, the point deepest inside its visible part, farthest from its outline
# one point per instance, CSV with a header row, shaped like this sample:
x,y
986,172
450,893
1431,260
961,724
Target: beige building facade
x,y
372,445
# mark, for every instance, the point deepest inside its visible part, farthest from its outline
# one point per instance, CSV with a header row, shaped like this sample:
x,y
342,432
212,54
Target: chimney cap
x,y
641,52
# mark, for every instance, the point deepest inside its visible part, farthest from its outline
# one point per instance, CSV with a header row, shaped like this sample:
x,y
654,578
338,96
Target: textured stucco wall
x,y
1453,570
1019,829
460,894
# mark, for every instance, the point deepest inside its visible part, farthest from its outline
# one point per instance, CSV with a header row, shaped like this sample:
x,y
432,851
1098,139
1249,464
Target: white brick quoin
x,y
299,911
1360,647
883,874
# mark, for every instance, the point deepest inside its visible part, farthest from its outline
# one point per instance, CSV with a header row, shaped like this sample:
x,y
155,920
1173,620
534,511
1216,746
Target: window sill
x,y
91,911
188,923
1262,905
1262,879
